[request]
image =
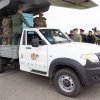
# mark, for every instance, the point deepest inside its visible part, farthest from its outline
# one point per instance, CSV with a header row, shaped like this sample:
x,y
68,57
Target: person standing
x,y
84,37
40,21
17,21
0,31
0,26
91,37
76,36
71,34
6,26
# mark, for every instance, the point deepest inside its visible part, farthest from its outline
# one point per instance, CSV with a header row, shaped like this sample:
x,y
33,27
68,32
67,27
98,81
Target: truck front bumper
x,y
93,75
92,71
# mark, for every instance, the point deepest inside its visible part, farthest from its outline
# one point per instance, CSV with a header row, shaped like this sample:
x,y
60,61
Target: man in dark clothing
x,y
0,31
84,37
0,26
71,34
91,37
17,21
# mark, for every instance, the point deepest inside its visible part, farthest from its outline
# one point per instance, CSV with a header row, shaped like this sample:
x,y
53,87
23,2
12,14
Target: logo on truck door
x,y
34,56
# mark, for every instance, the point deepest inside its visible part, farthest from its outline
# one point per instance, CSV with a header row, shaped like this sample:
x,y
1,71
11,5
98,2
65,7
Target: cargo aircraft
x,y
36,6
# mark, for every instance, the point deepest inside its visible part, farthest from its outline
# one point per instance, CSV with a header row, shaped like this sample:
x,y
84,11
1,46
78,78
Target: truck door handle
x,y
28,47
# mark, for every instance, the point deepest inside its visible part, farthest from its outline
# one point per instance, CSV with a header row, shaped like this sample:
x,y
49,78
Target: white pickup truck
x,y
49,52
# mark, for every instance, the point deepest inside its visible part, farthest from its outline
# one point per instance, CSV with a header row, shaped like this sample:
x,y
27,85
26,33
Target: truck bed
x,y
9,51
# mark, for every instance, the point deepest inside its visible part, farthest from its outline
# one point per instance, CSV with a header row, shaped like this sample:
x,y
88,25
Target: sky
x,y
67,19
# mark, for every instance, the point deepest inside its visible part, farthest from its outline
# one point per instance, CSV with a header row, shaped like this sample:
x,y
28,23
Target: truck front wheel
x,y
67,82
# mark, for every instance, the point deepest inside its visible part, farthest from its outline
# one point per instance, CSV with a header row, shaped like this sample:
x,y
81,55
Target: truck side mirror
x,y
35,42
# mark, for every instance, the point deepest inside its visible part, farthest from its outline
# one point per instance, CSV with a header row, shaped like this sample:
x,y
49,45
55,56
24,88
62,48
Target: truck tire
x,y
67,82
1,66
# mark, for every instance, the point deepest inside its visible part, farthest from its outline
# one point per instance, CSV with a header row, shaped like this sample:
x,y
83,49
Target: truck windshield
x,y
55,36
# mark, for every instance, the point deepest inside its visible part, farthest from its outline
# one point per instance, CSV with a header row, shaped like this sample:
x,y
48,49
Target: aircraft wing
x,y
29,6
76,4
36,6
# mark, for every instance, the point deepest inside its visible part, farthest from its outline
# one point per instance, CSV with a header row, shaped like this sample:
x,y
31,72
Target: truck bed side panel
x,y
9,51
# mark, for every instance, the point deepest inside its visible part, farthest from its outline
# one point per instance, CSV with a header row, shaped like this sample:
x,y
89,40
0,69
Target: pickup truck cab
x,y
51,53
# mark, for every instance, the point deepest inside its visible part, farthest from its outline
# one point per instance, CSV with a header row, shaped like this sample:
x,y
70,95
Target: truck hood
x,y
78,47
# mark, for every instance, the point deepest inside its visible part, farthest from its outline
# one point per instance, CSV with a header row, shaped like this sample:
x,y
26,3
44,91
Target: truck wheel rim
x,y
66,83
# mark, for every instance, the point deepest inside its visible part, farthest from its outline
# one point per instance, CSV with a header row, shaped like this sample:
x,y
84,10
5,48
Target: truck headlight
x,y
92,57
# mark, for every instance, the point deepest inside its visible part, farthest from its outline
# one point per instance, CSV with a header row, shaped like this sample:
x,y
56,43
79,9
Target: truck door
x,y
34,58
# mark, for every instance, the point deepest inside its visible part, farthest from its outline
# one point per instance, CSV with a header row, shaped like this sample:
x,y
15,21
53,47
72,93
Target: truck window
x,y
54,36
24,38
31,35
